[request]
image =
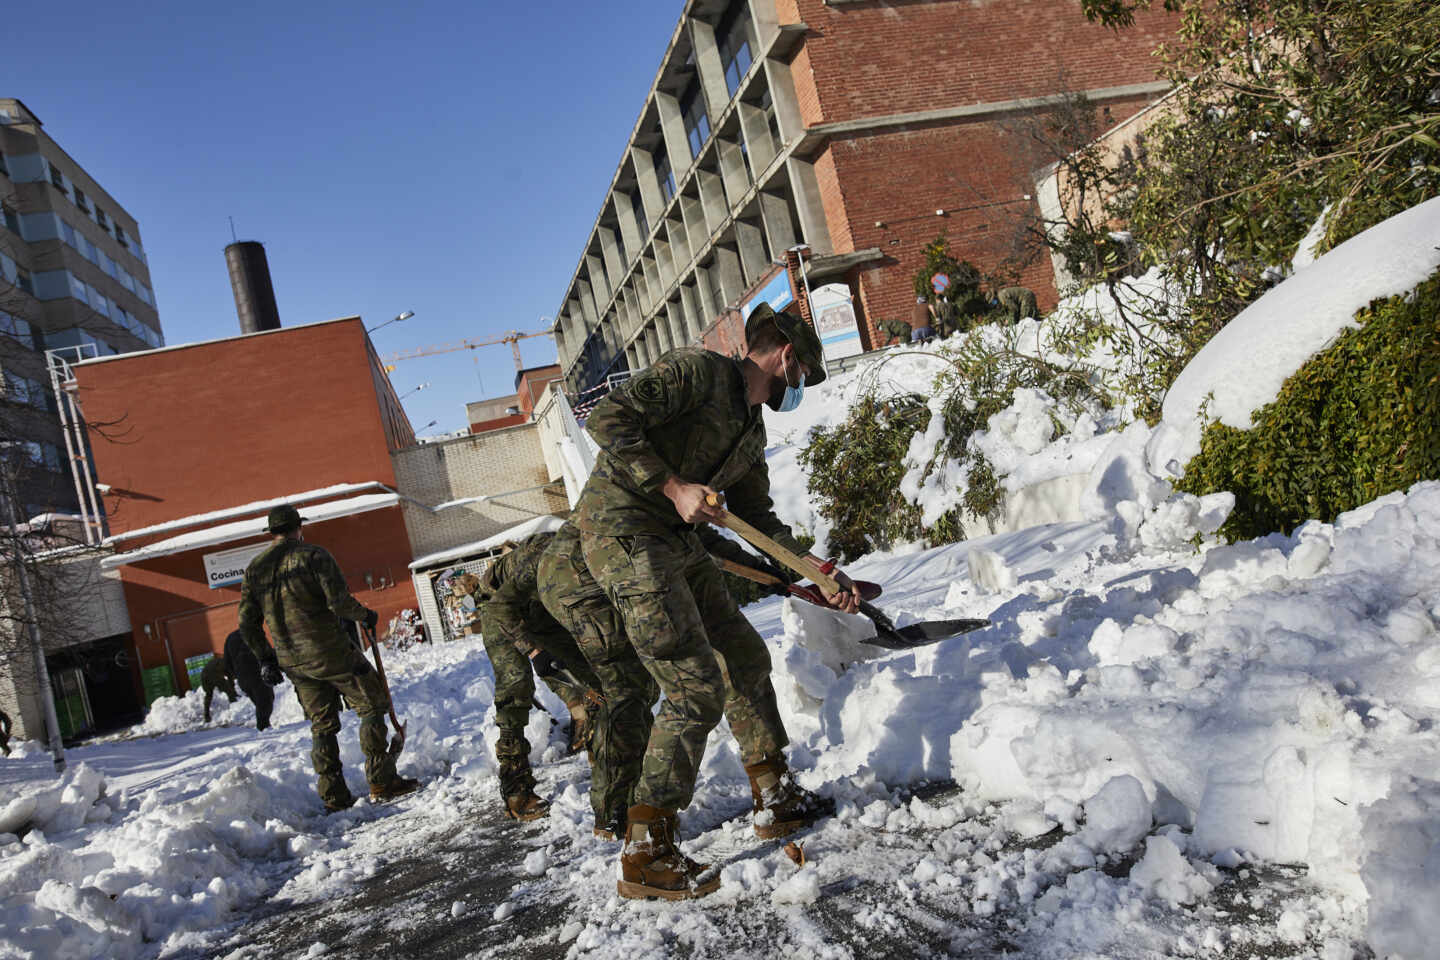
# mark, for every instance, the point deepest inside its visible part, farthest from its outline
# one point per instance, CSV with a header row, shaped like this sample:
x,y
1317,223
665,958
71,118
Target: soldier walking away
x,y
519,633
894,330
296,590
5,732
246,671
687,428
1016,303
216,676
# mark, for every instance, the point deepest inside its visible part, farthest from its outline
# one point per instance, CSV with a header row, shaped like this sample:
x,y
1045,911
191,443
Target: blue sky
x,y
443,157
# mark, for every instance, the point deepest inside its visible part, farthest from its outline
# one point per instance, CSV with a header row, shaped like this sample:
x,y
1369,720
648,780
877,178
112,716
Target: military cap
x,y
801,335
283,518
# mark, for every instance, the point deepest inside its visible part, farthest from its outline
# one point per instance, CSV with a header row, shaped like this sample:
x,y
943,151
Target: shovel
x,y
397,742
886,633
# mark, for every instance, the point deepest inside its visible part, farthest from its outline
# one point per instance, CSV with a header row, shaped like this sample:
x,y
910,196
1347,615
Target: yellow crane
x,y
513,338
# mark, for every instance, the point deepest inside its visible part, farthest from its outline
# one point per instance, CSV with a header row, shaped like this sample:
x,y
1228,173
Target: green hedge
x,y
1359,420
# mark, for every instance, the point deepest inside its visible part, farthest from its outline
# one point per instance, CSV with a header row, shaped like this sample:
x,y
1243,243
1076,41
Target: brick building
x,y
513,408
202,439
859,128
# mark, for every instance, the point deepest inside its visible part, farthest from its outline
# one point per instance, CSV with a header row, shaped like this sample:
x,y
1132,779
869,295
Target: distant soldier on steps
x,y
1016,303
297,591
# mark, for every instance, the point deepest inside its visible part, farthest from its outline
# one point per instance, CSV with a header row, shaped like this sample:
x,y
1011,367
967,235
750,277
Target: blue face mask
x,y
793,395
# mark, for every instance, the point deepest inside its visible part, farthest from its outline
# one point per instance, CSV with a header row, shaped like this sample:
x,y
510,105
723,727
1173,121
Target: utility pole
x,y
42,673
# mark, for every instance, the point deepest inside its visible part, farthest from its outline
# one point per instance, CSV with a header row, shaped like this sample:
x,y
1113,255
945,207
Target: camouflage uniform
x,y
216,676
686,415
513,623
895,330
246,671
299,593
578,602
1017,303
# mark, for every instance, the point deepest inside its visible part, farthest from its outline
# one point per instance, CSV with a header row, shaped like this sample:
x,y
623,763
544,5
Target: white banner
x,y
835,321
227,567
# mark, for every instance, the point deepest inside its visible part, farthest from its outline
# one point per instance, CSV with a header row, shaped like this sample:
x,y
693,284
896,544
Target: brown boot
x,y
397,787
651,865
781,805
526,806
611,827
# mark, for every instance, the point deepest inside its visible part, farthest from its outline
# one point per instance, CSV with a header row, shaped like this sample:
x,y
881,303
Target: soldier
x,y
5,732
681,431
296,589
1016,303
518,631
578,602
894,330
246,671
216,676
920,315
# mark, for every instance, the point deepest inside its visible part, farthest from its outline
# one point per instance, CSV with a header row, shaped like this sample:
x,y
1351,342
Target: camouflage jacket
x,y
297,590
507,587
684,415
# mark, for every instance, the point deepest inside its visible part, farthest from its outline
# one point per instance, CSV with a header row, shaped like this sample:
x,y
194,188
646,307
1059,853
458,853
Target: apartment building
x,y
73,277
860,129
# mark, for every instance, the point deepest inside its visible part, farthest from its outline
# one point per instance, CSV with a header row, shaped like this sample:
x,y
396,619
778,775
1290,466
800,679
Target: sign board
x,y
227,568
776,292
940,283
194,666
158,682
835,321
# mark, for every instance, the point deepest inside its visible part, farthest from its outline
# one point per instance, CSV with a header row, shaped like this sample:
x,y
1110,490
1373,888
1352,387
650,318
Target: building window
x,y
697,121
57,178
16,329
734,37
23,281
100,219
120,236
80,200
11,220
664,175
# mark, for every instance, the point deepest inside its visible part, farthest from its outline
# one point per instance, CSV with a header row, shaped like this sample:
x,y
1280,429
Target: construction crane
x,y
513,338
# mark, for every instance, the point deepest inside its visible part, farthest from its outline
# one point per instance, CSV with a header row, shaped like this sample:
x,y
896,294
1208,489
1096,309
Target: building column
x,y
672,128
779,228
712,71
752,250
650,196
811,209
731,276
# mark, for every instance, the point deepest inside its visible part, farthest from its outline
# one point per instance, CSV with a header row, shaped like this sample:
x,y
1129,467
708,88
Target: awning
x,y
244,529
518,532
255,506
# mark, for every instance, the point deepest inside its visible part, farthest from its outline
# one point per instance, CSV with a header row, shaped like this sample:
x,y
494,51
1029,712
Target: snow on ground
x,y
1144,723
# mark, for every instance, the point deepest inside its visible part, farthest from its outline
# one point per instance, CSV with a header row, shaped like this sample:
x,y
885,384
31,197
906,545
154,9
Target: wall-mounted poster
x,y
835,321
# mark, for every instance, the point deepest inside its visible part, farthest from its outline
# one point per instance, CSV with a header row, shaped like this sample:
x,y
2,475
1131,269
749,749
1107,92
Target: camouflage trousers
x,y
515,683
320,685
622,727
692,639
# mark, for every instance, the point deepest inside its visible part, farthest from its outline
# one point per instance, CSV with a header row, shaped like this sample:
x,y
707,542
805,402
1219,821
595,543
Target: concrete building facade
x,y
73,277
858,128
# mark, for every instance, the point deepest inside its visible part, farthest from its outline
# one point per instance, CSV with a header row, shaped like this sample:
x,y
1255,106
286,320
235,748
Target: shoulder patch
x,y
650,389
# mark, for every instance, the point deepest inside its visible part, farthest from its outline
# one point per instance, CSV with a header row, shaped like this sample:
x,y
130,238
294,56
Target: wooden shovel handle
x,y
801,565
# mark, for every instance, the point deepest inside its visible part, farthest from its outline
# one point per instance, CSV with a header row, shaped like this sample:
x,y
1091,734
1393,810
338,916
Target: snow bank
x,y
1243,367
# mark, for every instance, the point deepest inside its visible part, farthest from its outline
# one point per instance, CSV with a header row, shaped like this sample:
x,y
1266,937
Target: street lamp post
x,y
396,319
413,390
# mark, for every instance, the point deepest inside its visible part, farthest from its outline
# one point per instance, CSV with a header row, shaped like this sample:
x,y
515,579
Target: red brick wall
x,y
216,425
163,592
498,423
873,59
900,177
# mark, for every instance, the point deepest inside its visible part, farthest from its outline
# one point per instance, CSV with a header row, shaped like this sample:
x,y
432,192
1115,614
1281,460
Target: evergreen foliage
x,y
1359,420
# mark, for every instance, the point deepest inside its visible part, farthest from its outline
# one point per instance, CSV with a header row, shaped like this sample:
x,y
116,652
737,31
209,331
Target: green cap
x,y
801,335
283,518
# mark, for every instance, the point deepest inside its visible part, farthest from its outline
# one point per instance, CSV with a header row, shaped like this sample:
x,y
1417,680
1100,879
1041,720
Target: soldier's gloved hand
x,y
270,673
545,665
371,618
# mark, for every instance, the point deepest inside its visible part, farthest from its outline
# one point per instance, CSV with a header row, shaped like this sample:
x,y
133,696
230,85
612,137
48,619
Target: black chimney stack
x,y
250,280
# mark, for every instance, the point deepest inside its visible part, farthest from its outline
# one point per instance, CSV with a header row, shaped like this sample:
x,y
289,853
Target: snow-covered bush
x,y
1359,420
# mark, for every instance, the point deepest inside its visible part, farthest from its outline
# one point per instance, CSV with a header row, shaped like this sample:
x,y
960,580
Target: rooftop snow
x,y
518,532
252,527
257,506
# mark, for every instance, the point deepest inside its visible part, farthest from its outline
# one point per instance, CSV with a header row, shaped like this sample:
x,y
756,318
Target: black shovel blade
x,y
923,633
